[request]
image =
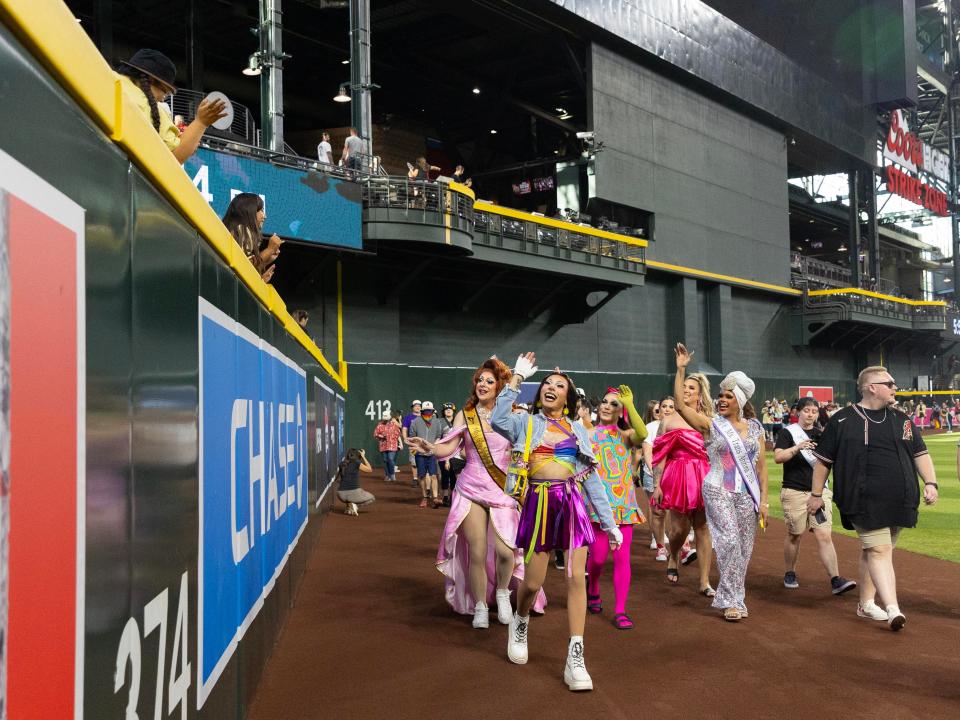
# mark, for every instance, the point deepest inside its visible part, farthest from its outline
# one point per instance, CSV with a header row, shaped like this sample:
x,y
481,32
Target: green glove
x,y
636,422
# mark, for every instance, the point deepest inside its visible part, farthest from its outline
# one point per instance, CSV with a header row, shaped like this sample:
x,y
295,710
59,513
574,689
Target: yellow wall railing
x,y
51,33
879,296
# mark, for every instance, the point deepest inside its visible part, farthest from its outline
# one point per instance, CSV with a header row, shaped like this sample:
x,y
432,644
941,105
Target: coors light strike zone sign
x,y
915,157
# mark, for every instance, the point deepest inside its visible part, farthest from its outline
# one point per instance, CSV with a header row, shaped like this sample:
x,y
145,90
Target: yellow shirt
x,y
168,131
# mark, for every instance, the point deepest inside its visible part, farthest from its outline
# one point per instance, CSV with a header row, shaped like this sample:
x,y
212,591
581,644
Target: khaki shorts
x,y
795,513
875,538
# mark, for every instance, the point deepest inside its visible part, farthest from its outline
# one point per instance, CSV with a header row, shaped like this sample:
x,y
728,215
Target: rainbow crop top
x,y
563,452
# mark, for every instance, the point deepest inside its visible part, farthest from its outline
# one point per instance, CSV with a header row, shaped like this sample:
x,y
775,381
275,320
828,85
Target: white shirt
x,y
652,428
325,152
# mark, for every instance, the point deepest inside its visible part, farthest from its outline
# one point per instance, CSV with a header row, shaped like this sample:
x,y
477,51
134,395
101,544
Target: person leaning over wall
x,y
147,78
244,219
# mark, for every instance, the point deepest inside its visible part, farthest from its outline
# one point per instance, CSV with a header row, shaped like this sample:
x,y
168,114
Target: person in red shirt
x,y
387,433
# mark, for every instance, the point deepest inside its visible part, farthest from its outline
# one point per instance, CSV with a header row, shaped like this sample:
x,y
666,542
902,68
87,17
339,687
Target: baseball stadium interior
x,y
759,179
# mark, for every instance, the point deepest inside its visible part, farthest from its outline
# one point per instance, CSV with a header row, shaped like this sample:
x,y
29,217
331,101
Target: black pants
x,y
448,478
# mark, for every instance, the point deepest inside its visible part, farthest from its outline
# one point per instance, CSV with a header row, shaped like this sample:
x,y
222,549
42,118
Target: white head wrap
x,y
740,385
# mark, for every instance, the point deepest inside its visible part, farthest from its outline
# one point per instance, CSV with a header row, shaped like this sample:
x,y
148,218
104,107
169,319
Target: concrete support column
x,y
685,319
719,326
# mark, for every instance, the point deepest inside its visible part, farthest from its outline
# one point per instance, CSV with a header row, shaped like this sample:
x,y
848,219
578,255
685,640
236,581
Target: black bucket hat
x,y
155,64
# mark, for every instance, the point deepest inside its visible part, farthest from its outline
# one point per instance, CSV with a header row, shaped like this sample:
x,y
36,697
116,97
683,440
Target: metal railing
x,y
369,165
880,307
186,102
491,228
416,196
810,271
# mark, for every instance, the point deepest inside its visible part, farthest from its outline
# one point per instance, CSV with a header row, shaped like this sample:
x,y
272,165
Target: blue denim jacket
x,y
513,426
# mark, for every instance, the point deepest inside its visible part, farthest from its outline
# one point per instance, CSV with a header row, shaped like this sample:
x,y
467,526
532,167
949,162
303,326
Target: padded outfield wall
x,y
172,433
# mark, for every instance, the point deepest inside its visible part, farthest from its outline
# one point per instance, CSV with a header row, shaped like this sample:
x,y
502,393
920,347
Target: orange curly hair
x,y
500,372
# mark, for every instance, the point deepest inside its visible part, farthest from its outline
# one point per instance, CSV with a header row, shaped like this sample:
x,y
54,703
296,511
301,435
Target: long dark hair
x,y
571,403
242,213
143,81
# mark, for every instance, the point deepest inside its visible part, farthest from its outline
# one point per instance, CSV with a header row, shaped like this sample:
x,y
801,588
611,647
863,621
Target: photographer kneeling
x,y
350,491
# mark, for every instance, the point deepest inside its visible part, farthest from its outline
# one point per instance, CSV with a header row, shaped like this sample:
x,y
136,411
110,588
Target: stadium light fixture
x,y
476,90
342,96
254,66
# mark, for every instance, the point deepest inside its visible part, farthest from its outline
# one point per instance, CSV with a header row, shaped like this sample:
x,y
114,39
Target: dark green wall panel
x,y
145,269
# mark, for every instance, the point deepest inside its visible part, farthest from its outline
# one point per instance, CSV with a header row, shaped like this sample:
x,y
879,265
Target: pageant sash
x,y
741,457
799,435
475,428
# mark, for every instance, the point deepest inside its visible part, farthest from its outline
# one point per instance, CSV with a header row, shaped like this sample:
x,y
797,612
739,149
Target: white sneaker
x,y
871,611
517,639
662,554
481,616
504,608
653,543
895,618
575,673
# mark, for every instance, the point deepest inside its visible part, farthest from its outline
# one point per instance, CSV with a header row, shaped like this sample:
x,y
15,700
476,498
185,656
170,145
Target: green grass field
x,y
938,531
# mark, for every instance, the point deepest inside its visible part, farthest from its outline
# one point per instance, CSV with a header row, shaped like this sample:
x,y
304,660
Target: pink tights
x,y
599,549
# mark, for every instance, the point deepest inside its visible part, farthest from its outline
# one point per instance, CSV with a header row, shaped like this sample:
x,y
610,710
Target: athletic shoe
x,y
871,611
558,560
575,673
662,554
895,618
504,608
839,585
517,639
481,616
653,543
687,555
790,580
423,503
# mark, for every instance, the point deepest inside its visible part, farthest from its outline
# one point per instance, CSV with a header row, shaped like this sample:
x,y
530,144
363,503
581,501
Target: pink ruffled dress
x,y
686,467
474,484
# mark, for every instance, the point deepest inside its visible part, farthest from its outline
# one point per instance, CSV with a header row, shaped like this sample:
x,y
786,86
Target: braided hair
x,y
142,81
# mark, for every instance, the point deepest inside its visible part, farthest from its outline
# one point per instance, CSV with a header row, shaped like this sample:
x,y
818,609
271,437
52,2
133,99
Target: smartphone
x,y
820,516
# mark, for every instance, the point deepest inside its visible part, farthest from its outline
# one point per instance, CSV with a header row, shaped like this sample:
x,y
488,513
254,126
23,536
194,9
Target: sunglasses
x,y
889,383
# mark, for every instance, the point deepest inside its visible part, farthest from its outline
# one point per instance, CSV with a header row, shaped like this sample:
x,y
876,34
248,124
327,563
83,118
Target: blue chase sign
x,y
253,481
306,206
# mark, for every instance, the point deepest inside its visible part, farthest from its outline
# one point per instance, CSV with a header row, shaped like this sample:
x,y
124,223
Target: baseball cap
x,y
415,402
426,405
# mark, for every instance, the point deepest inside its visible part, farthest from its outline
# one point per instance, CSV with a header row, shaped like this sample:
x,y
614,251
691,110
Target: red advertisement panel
x,y
43,232
821,393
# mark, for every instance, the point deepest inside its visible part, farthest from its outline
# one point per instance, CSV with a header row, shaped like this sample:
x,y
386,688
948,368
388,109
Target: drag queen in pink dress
x,y
680,464
478,555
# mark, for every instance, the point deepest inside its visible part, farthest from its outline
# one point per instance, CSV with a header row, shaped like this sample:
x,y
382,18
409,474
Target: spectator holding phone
x,y
244,219
793,450
350,492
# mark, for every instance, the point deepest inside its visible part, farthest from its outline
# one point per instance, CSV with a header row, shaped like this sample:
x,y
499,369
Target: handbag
x,y
519,468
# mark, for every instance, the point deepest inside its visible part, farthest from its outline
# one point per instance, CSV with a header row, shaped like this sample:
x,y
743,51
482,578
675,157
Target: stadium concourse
x,y
371,636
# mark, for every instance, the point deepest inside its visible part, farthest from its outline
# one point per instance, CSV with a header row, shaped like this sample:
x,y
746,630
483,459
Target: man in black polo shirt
x,y
793,450
875,452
